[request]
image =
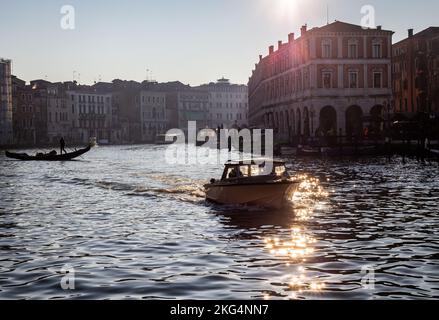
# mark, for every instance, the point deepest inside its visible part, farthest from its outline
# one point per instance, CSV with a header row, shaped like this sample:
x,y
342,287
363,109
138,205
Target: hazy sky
x,y
194,41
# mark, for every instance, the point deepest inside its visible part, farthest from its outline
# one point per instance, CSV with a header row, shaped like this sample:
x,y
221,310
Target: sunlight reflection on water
x,y
134,227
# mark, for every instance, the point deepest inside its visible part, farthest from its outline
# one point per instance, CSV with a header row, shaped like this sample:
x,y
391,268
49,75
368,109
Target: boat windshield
x,y
245,171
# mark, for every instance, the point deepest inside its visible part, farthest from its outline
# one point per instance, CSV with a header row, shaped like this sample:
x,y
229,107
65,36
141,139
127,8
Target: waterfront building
x,y
59,113
91,114
30,112
332,80
153,117
6,129
41,113
193,106
172,89
23,113
415,71
228,104
125,110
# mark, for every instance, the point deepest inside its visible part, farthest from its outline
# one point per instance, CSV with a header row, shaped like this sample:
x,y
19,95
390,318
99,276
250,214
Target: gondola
x,y
48,156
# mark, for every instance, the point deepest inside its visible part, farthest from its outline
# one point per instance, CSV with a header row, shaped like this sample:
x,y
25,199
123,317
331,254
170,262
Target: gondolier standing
x,y
62,145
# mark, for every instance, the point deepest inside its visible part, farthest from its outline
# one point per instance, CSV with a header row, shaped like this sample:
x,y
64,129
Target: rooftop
x,y
423,33
340,26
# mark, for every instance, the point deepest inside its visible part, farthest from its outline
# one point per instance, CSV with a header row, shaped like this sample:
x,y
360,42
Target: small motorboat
x,y
309,151
52,156
166,139
251,183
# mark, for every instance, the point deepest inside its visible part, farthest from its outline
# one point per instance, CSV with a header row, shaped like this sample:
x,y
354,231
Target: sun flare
x,y
287,8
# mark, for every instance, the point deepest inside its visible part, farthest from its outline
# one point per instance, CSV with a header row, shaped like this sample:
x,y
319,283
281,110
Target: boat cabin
x,y
253,169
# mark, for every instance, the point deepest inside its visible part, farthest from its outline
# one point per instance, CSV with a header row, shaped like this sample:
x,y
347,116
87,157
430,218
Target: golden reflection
x,y
300,245
300,283
309,189
297,247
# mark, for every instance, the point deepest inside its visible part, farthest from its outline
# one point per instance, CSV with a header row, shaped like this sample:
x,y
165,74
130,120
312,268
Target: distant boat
x,y
52,156
163,139
309,151
247,183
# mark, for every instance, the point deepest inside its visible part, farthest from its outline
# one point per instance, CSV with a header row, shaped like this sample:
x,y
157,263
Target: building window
x,y
377,80
353,51
376,50
326,49
327,80
353,79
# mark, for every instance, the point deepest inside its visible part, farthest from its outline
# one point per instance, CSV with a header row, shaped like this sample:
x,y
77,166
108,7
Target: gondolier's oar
x,y
75,151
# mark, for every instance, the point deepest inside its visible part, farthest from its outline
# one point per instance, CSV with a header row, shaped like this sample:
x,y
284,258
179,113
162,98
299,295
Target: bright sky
x,y
194,41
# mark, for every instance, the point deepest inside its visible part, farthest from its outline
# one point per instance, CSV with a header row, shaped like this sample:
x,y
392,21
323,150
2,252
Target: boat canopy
x,y
254,161
254,168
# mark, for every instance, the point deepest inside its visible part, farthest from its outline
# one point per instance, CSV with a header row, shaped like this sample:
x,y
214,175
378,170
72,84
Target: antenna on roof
x,y
327,14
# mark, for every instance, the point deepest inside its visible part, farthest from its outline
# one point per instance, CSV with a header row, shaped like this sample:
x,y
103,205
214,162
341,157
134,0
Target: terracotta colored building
x,y
335,79
30,105
416,73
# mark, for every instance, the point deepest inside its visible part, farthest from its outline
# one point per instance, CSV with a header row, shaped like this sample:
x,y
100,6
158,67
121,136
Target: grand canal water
x,y
132,226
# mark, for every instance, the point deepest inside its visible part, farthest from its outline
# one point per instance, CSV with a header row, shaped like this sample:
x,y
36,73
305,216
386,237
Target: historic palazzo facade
x,y
333,80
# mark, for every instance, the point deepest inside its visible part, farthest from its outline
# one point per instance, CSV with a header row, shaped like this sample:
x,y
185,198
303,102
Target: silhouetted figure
x,y
62,145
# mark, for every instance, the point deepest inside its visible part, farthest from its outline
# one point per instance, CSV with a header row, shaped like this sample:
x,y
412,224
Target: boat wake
x,y
178,188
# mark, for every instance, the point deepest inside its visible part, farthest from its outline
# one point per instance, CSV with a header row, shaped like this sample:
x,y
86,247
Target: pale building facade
x,y
331,80
91,115
59,115
193,105
228,104
6,133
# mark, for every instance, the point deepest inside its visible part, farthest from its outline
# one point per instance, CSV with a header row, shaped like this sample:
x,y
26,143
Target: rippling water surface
x,y
133,227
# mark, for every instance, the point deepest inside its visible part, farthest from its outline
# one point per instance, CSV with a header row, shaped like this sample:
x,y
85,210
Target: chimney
x,y
410,33
270,49
260,57
303,30
291,37
379,28
279,44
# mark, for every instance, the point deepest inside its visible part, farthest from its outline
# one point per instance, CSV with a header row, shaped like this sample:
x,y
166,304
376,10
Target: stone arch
x,y
306,122
328,121
287,122
376,119
298,122
293,121
354,121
